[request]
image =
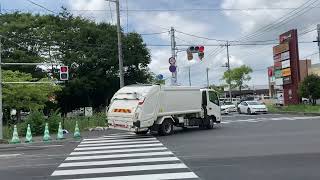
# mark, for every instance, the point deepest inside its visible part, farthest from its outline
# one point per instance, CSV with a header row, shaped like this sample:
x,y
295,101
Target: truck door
x,y
213,106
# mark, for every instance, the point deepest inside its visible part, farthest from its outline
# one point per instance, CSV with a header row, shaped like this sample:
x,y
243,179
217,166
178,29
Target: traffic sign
x,y
172,69
172,61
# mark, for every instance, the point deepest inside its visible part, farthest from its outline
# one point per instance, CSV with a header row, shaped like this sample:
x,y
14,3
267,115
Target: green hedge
x,y
37,123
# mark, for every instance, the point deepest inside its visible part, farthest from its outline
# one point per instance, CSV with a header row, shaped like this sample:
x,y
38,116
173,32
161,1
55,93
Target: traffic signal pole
x,y
228,66
174,75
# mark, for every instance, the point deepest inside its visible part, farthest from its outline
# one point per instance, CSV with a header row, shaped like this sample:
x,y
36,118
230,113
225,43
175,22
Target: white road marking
x,y
118,147
120,143
117,140
182,175
124,161
9,155
74,158
117,151
117,169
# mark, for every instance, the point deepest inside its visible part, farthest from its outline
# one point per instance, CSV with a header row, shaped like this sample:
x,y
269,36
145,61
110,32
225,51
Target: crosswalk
x,y
264,119
123,156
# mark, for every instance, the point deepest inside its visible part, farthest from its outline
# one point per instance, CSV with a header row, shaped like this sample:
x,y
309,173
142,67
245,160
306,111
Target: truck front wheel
x,y
166,128
210,123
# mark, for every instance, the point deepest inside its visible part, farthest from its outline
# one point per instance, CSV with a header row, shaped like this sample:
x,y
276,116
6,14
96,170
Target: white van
x,y
140,108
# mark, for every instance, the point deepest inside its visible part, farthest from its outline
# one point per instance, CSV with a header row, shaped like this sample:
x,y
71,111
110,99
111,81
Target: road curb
x,y
296,113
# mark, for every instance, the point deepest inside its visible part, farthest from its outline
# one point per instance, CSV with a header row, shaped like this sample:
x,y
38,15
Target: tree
x,y
238,76
87,47
25,96
310,88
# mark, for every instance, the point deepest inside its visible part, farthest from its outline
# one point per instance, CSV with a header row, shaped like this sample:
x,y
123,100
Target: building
x,y
305,66
315,69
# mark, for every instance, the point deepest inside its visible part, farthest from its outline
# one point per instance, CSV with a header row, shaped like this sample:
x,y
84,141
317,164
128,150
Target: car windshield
x,y
254,103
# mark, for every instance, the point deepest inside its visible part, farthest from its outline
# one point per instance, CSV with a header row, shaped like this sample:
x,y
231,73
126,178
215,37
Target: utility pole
x,y
207,70
189,76
174,77
119,45
318,38
1,113
228,66
121,73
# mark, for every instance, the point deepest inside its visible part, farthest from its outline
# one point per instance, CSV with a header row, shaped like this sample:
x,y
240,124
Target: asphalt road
x,y
252,147
243,147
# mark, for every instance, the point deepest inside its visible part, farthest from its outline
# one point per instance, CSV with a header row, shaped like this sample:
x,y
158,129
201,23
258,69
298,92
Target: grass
x,y
84,124
295,108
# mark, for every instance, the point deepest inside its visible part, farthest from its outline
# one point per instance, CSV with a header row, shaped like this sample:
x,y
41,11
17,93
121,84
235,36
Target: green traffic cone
x,y
60,132
15,137
28,135
46,135
76,133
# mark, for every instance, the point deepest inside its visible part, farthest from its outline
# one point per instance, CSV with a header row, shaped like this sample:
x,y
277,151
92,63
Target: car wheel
x,y
166,128
248,111
239,111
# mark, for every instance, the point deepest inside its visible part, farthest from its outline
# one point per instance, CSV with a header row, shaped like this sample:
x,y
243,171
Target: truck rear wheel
x,y
166,128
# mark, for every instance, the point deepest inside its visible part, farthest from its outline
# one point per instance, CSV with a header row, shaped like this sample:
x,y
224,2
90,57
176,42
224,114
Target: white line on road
x,y
117,140
118,143
182,175
9,155
117,151
74,158
118,147
117,169
124,161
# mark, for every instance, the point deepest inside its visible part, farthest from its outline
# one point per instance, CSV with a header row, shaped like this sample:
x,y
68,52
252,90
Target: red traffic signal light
x,y
196,49
201,48
64,73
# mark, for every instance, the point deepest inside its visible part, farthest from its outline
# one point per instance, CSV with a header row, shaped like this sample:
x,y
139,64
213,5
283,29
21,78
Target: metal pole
x,y
318,39
189,76
228,65
207,69
1,113
174,77
121,73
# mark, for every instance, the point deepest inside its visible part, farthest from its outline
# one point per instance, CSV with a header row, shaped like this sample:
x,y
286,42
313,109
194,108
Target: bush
x,y
36,121
53,122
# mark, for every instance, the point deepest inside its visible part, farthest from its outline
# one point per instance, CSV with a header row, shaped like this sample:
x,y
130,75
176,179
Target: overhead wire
x,y
41,6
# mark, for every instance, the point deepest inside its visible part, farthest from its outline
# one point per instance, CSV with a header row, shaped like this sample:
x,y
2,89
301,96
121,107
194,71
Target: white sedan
x,y
229,105
252,107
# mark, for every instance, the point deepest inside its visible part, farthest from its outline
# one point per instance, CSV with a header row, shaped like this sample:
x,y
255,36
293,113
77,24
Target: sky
x,y
245,20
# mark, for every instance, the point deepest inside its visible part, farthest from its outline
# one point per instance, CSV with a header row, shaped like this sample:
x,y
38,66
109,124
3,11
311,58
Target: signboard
x,y
278,74
285,64
287,80
88,111
270,71
172,69
285,37
172,61
286,72
279,82
272,79
277,58
277,65
280,48
285,55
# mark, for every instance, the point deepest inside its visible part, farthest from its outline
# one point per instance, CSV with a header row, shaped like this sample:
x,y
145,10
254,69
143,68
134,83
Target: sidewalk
x,y
68,138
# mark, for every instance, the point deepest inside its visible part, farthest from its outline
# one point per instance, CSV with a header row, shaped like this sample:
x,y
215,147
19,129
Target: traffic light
x,y
64,73
196,49
201,55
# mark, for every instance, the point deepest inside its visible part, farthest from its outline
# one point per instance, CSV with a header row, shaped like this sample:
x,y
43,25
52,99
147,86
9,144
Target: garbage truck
x,y
143,108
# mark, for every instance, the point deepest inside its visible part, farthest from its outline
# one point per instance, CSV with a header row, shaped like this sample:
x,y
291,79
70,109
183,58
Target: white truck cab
x,y
140,108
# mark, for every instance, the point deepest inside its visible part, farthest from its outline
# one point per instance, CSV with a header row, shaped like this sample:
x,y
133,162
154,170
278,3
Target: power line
x,y
39,5
282,20
110,12
127,15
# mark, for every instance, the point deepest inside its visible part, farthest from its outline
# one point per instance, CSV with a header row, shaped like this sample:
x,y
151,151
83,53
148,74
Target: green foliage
x,y
86,122
238,76
53,121
218,89
295,108
310,88
88,48
25,96
36,121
